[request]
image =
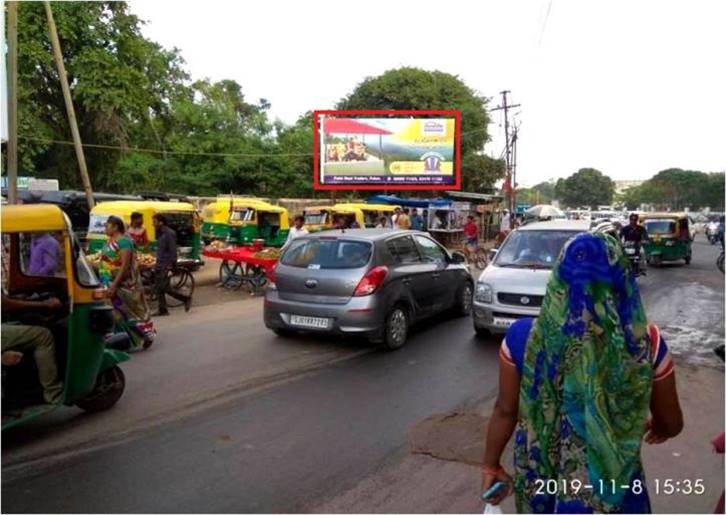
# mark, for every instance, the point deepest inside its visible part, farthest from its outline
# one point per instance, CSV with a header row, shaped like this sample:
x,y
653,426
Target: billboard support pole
x,y
12,102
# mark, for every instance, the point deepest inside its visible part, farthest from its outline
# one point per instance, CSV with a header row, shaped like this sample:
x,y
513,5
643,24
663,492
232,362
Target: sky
x,y
629,88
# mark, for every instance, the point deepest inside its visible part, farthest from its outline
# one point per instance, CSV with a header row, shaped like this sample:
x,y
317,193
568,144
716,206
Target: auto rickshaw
x,y
215,218
180,216
87,363
669,237
256,219
366,215
318,218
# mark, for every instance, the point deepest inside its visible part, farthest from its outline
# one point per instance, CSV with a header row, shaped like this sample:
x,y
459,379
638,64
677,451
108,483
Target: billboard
x,y
387,150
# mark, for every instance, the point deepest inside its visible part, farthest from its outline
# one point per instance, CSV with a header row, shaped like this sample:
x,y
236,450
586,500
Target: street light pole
x,y
12,102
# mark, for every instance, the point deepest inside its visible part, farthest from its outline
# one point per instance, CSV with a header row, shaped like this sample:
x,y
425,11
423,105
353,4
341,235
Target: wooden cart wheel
x,y
230,274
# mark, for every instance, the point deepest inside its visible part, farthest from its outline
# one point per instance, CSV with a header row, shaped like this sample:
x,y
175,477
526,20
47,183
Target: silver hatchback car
x,y
369,282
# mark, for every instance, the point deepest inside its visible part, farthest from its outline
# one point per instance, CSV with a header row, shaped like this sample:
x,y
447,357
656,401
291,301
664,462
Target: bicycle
x,y
478,257
179,280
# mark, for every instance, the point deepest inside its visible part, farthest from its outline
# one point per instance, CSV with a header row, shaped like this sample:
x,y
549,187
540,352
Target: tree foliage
x,y
677,189
200,137
542,193
587,187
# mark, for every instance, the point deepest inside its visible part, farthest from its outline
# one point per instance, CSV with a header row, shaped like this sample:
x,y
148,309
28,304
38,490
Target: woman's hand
x,y
491,476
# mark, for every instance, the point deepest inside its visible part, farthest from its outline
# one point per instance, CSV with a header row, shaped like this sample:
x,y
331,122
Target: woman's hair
x,y
136,215
161,218
116,221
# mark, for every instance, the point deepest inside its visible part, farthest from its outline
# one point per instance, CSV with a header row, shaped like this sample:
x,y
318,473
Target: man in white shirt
x,y
296,230
394,218
504,225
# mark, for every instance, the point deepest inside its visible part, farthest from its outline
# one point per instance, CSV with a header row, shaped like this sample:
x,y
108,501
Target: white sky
x,y
628,87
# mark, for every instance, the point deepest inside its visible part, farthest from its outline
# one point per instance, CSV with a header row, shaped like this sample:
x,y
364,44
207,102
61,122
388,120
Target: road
x,y
225,417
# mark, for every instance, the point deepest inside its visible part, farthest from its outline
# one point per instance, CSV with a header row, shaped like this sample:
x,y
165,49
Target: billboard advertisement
x,y
386,150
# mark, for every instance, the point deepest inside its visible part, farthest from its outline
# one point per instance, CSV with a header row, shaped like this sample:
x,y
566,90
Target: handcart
x,y
244,265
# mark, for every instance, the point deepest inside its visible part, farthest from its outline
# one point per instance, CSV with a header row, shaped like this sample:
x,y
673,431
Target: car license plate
x,y
630,251
314,322
503,322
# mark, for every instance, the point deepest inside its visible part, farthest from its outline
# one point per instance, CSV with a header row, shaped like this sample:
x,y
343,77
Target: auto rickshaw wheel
x,y
109,387
688,259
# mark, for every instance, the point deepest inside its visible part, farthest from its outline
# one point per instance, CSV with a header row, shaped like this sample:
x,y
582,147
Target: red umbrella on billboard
x,y
352,126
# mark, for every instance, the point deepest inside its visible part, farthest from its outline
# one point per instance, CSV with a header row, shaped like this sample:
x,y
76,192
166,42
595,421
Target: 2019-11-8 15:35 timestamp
x,y
656,487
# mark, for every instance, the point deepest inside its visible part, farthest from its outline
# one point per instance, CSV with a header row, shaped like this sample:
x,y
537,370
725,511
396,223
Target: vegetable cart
x,y
244,265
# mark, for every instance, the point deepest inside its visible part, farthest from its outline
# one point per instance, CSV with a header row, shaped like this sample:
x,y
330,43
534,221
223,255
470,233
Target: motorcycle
x,y
712,233
633,253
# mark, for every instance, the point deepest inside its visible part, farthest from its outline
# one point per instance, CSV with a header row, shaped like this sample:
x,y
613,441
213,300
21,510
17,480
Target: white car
x,y
514,283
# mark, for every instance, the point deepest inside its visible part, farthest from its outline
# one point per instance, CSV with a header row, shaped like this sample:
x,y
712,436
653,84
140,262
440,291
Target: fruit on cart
x,y
94,259
270,253
146,260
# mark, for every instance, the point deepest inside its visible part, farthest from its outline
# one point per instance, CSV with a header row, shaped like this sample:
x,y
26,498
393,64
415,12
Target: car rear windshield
x,y
532,249
322,254
660,226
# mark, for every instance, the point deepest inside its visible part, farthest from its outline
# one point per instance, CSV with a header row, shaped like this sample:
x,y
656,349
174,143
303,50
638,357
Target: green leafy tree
x,y
542,193
119,80
677,189
586,187
414,88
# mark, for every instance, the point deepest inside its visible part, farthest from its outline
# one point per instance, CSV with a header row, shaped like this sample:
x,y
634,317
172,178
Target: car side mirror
x,y
458,258
492,254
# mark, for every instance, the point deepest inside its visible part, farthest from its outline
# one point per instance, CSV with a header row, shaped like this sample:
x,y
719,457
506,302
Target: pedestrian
x,y
137,232
417,221
394,217
45,255
119,272
382,223
166,257
298,229
580,388
403,221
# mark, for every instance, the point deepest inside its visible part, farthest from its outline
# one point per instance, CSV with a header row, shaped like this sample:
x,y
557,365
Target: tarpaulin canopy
x,y
350,126
408,202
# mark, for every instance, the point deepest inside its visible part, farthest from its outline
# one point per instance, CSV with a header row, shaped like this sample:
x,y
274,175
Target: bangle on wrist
x,y
493,471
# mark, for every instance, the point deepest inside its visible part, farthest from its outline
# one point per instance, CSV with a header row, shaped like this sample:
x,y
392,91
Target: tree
x,y
414,88
677,189
586,187
119,80
542,193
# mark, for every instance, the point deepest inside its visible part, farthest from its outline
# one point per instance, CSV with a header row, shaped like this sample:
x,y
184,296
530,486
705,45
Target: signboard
x,y
31,183
387,150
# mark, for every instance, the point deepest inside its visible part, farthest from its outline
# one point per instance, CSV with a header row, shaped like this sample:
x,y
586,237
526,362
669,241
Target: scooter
x,y
634,254
712,233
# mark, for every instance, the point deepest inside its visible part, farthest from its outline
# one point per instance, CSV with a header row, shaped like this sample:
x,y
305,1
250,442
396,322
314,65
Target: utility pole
x,y
12,102
508,153
55,42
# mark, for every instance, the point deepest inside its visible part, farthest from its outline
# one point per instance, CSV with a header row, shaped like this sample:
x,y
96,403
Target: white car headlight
x,y
484,293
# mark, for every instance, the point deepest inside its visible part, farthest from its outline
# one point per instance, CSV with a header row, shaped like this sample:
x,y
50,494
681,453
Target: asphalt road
x,y
290,444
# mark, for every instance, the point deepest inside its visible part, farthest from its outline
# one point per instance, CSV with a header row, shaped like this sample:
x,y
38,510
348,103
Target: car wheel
x,y
283,333
396,328
464,300
482,332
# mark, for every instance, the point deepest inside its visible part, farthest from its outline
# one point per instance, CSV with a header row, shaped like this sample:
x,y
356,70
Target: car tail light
x,y
271,278
371,281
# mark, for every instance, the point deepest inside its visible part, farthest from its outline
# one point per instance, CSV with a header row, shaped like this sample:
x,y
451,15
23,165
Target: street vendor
x,y
166,257
137,232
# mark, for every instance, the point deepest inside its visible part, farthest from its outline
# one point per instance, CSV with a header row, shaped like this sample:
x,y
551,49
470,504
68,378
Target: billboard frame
x,y
383,113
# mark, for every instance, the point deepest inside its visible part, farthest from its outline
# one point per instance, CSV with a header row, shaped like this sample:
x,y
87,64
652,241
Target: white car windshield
x,y
532,249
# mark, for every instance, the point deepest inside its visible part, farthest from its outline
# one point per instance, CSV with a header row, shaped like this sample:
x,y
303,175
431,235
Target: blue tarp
x,y
408,202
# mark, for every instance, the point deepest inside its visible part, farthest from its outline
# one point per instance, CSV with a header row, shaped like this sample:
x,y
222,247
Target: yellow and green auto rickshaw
x,y
669,237
318,218
180,216
215,218
250,220
366,215
86,361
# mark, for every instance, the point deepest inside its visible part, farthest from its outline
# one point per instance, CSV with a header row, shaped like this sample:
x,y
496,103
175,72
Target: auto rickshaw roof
x,y
32,217
259,205
661,215
318,208
365,207
126,207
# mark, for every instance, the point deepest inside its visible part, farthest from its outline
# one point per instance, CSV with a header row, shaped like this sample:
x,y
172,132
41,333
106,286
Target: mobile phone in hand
x,y
493,490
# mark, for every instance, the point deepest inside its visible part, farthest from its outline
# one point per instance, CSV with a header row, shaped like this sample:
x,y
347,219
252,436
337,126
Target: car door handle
x,y
435,275
406,280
